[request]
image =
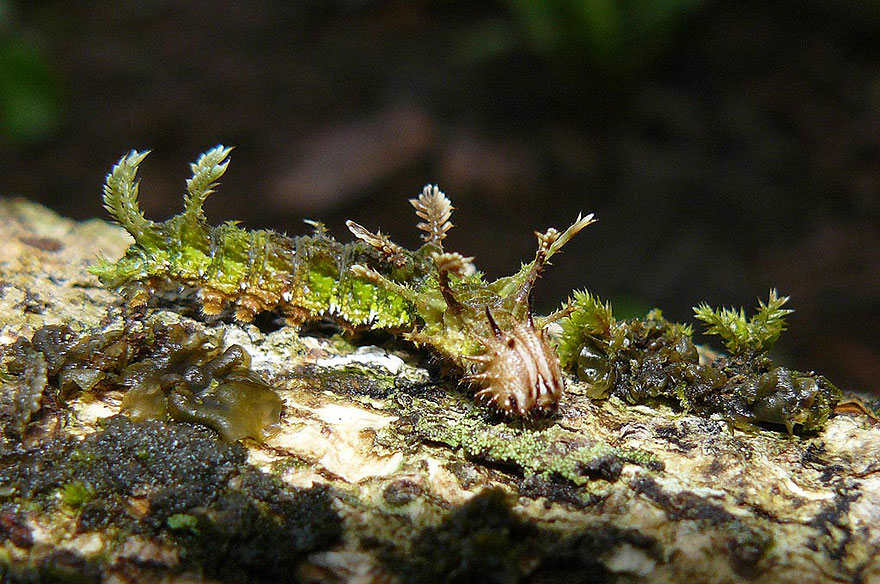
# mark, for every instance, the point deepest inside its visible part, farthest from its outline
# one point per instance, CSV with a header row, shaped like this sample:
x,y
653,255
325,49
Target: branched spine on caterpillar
x,y
431,297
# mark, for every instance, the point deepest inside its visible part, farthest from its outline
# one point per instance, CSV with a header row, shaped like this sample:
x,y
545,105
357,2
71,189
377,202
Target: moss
x,y
649,360
76,494
177,466
183,521
758,333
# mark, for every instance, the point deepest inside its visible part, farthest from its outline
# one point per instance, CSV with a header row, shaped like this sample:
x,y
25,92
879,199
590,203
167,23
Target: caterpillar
x,y
429,296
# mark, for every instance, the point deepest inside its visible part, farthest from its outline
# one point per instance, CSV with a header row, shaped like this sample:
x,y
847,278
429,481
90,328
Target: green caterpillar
x,y
431,297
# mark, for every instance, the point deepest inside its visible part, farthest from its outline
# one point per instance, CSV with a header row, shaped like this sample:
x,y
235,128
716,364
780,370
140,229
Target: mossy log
x,y
382,469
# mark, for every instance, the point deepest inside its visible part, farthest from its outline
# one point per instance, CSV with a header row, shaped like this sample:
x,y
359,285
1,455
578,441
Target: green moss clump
x,y
758,333
76,494
182,521
652,360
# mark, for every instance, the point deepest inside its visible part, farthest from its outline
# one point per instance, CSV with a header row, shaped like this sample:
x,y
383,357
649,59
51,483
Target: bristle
x,y
388,250
478,358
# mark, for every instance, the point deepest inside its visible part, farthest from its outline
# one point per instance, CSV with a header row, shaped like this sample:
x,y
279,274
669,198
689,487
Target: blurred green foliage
x,y
618,36
30,96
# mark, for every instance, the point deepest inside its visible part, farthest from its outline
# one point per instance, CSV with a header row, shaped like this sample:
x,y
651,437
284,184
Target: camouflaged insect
x,y
431,297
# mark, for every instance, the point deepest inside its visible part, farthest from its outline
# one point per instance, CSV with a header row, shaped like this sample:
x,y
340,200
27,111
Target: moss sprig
x,y
742,335
590,317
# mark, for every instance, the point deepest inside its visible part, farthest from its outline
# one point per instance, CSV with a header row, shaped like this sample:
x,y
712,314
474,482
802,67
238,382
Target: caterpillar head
x,y
519,373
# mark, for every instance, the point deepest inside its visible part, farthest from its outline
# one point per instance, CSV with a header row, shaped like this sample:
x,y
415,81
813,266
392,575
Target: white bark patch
x,y
340,441
372,356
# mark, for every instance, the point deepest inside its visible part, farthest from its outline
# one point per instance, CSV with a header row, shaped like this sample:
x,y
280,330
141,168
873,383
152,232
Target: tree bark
x,y
383,469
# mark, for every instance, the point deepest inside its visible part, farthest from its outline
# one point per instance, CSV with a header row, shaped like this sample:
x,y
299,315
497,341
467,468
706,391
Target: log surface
x,y
382,470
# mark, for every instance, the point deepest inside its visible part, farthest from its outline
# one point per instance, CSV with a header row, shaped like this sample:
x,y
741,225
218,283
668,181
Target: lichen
x,y
551,454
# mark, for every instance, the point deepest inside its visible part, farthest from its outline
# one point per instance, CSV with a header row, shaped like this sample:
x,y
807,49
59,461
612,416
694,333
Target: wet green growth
x,y
430,297
189,378
741,335
76,494
183,521
652,360
171,372
177,466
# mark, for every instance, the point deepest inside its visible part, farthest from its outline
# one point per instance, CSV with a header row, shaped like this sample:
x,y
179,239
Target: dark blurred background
x,y
726,147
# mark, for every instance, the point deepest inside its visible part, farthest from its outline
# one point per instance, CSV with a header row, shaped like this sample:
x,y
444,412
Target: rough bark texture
x,y
383,470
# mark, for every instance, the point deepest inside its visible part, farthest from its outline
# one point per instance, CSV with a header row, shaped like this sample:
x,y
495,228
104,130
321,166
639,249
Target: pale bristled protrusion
x,y
556,240
388,250
453,263
435,209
